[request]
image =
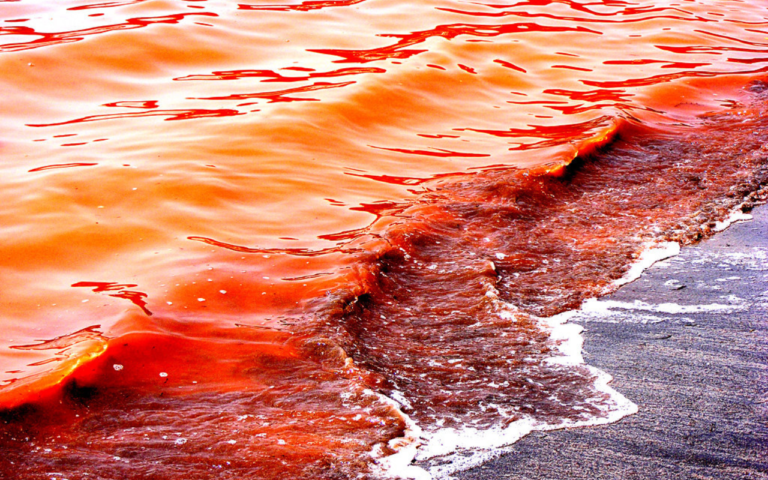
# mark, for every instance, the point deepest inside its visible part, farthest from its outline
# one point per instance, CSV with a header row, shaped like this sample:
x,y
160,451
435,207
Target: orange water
x,y
201,178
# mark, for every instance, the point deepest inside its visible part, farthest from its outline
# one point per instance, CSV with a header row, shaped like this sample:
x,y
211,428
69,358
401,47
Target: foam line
x,y
451,445
650,255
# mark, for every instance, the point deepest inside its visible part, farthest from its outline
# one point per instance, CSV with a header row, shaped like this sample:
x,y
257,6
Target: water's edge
x,y
695,368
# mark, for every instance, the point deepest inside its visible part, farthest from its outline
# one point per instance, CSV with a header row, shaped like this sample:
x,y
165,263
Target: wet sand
x,y
698,375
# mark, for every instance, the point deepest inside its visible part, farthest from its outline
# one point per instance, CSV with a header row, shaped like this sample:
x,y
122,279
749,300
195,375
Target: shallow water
x,y
230,230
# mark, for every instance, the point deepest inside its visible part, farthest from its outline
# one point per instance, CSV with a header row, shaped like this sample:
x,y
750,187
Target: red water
x,y
226,228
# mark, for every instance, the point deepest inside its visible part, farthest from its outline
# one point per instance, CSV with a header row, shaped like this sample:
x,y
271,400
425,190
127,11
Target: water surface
x,y
267,240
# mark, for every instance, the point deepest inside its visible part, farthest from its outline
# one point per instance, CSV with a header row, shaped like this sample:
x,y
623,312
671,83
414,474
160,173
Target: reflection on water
x,y
230,230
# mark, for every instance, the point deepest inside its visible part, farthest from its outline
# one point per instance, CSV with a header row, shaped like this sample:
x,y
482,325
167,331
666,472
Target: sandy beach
x,y
688,343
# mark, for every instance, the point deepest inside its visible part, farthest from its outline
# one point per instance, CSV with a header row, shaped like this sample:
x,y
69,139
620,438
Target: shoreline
x,y
688,343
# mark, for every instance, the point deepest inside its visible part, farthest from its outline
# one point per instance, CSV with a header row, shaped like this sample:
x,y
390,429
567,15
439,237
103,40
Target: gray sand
x,y
699,378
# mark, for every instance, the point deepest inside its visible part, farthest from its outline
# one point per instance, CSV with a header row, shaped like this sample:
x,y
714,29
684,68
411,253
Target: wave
x,y
444,337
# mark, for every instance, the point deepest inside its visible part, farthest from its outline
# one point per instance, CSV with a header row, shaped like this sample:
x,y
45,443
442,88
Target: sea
x,y
341,239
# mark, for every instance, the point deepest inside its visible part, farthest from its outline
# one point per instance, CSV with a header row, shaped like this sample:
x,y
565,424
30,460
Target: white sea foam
x,y
399,464
651,254
484,445
467,447
464,448
605,307
737,215
461,449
